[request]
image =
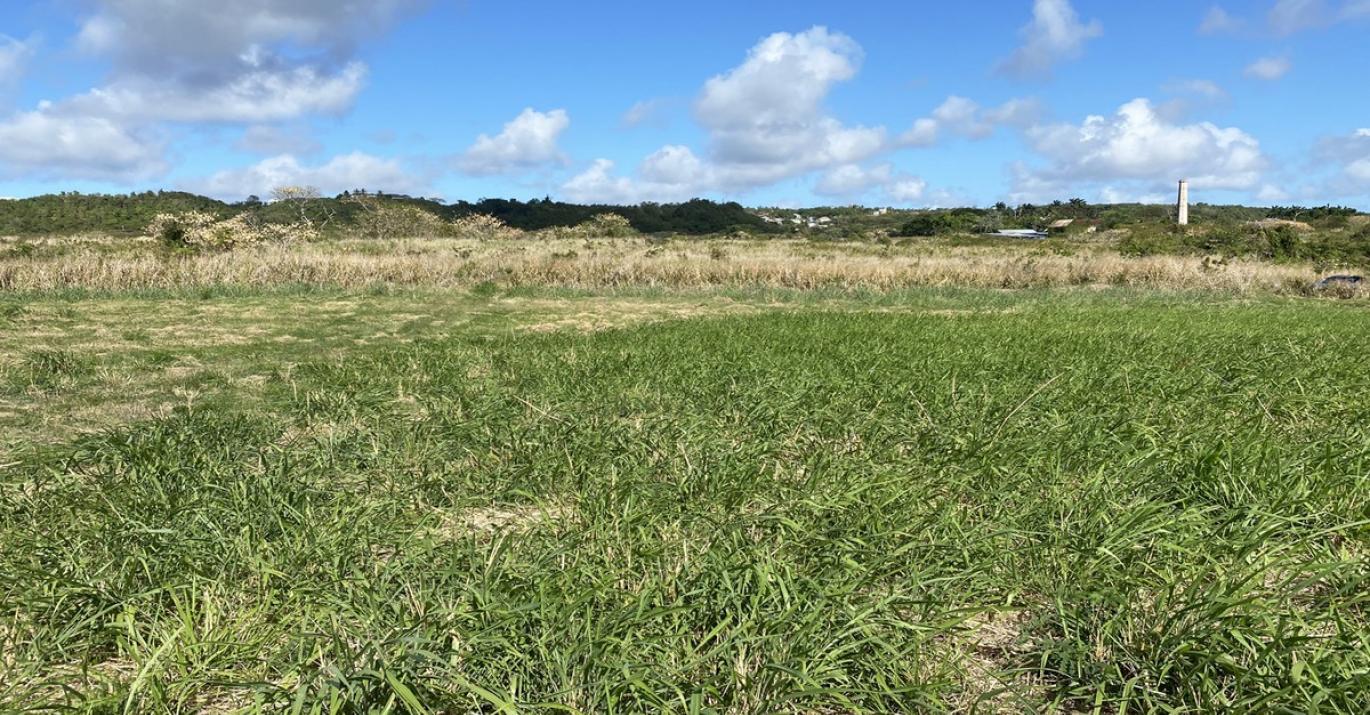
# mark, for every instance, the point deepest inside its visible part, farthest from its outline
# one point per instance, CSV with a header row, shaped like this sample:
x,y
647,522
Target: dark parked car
x,y
1331,281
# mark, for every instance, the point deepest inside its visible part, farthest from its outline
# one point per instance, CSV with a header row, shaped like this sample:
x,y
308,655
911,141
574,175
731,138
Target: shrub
x,y
1279,242
920,225
482,227
936,224
204,231
399,221
180,229
606,225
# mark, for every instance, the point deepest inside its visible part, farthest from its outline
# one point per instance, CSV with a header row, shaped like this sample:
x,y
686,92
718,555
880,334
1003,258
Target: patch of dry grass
x,y
621,263
136,359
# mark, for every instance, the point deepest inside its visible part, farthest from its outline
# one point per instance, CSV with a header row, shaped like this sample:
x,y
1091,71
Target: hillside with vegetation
x,y
1328,235
71,213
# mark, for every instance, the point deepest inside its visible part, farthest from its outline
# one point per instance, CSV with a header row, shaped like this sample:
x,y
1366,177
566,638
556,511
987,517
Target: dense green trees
x,y
73,212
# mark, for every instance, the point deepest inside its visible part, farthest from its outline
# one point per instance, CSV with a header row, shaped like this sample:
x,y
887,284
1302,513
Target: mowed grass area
x,y
933,500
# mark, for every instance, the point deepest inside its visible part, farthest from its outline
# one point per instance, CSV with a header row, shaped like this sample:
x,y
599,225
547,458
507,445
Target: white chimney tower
x,y
1183,205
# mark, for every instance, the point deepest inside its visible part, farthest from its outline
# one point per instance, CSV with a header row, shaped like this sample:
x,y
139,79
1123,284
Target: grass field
x,y
547,500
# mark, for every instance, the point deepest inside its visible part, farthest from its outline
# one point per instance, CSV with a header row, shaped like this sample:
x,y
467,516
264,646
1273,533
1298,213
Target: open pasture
x,y
552,501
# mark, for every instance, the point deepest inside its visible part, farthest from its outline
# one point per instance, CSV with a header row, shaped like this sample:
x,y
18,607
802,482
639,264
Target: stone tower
x,y
1183,205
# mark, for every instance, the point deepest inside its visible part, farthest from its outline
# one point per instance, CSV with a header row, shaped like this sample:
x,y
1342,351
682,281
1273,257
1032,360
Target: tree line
x,y
70,213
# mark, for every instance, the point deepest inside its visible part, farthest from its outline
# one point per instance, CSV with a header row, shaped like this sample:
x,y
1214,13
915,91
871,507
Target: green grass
x,y
937,501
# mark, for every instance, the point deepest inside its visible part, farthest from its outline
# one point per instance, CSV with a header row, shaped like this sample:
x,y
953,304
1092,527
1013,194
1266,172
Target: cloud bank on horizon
x,y
1048,101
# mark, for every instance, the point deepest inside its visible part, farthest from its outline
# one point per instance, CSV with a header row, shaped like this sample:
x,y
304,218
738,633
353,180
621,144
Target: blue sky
x,y
768,103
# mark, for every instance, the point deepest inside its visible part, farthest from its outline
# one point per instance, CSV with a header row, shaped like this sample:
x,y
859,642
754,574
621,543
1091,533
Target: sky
x,y
770,103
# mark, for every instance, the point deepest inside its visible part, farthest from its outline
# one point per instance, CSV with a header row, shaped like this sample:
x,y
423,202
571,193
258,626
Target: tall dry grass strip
x,y
620,264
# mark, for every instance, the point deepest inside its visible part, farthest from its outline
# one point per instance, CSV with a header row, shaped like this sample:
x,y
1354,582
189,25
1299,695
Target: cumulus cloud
x,y
599,184
233,62
852,179
1054,35
257,96
1217,21
1137,144
765,121
1349,155
341,173
211,42
47,145
964,117
924,132
1269,69
1271,194
906,191
526,142
671,173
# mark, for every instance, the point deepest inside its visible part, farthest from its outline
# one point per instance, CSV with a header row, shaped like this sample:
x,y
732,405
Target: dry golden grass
x,y
620,263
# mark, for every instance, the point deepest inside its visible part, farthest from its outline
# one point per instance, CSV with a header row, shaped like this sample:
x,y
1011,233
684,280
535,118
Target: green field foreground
x,y
972,501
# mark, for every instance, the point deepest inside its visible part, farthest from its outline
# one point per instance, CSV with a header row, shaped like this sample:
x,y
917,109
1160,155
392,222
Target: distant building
x,y
1060,226
1020,233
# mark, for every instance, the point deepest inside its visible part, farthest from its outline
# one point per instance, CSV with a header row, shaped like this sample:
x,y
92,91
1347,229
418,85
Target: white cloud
x,y
671,173
675,166
232,61
341,173
1269,69
1270,193
268,140
1218,21
526,142
647,111
202,42
1137,144
963,117
257,96
598,184
1054,35
906,191
923,133
1349,157
42,143
1290,16
1115,195
852,179
14,59
765,122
